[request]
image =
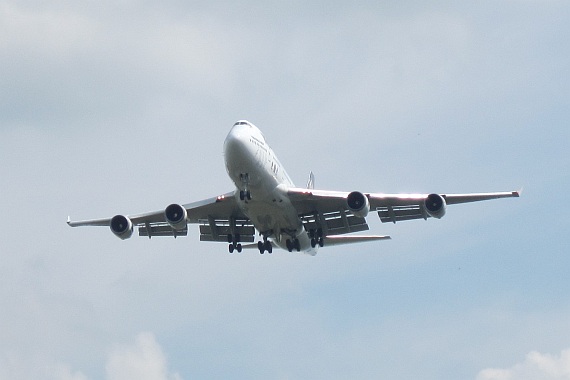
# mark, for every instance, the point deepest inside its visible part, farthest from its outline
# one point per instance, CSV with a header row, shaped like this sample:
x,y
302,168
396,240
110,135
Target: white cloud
x,y
536,366
144,361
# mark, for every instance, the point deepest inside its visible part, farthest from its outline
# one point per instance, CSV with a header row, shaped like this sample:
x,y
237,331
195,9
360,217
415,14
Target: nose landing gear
x,y
244,194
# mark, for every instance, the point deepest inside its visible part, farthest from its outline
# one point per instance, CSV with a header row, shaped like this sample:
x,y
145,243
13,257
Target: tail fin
x,y
311,183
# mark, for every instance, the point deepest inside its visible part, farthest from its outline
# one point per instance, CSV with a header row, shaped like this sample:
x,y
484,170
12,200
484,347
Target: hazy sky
x,y
113,107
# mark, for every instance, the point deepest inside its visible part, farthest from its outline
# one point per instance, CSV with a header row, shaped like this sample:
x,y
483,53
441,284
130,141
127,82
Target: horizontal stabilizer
x,y
339,240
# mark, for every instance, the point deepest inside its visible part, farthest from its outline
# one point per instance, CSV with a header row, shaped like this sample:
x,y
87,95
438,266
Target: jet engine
x,y
435,205
122,227
358,204
175,216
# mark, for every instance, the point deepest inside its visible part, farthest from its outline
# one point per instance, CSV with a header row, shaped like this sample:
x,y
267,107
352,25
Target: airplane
x,y
266,200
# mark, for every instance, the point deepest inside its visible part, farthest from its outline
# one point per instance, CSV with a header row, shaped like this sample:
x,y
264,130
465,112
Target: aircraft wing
x,y
399,207
218,217
330,210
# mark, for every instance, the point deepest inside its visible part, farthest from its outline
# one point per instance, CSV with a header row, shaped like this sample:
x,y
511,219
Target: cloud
x,y
536,366
144,361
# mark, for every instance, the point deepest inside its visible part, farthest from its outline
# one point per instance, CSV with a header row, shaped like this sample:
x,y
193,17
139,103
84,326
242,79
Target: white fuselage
x,y
256,171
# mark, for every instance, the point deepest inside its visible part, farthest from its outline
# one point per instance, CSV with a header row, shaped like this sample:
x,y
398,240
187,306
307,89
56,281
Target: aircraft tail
x,y
311,182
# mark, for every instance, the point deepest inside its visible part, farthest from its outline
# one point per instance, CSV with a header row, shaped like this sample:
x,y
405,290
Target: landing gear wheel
x,y
264,246
297,245
234,243
289,245
245,195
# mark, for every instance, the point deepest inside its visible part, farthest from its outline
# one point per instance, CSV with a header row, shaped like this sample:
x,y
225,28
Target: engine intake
x,y
435,205
122,227
175,216
358,204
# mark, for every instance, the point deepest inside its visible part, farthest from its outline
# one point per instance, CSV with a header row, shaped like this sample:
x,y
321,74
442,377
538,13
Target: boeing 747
x,y
266,200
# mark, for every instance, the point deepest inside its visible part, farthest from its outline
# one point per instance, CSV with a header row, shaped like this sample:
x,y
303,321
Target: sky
x,y
114,107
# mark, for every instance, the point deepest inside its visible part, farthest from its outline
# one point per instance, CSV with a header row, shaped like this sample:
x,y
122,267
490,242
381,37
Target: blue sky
x,y
122,107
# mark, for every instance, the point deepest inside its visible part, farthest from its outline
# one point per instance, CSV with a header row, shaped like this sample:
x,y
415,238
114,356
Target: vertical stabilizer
x,y
311,183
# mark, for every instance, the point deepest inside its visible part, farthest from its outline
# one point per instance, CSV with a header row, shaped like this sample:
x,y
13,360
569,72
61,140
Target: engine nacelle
x,y
435,205
122,227
358,204
175,216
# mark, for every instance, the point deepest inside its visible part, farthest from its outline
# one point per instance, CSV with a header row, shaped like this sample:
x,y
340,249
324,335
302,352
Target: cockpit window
x,y
242,122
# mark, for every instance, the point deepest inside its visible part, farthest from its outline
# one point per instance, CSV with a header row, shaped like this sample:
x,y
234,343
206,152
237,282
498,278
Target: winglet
x,y
518,193
68,220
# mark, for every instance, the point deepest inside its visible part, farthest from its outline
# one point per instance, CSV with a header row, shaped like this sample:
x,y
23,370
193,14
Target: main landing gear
x,y
293,245
234,243
316,237
264,245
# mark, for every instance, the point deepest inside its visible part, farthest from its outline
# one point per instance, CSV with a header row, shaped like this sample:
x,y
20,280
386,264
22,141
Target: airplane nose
x,y
235,146
233,141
